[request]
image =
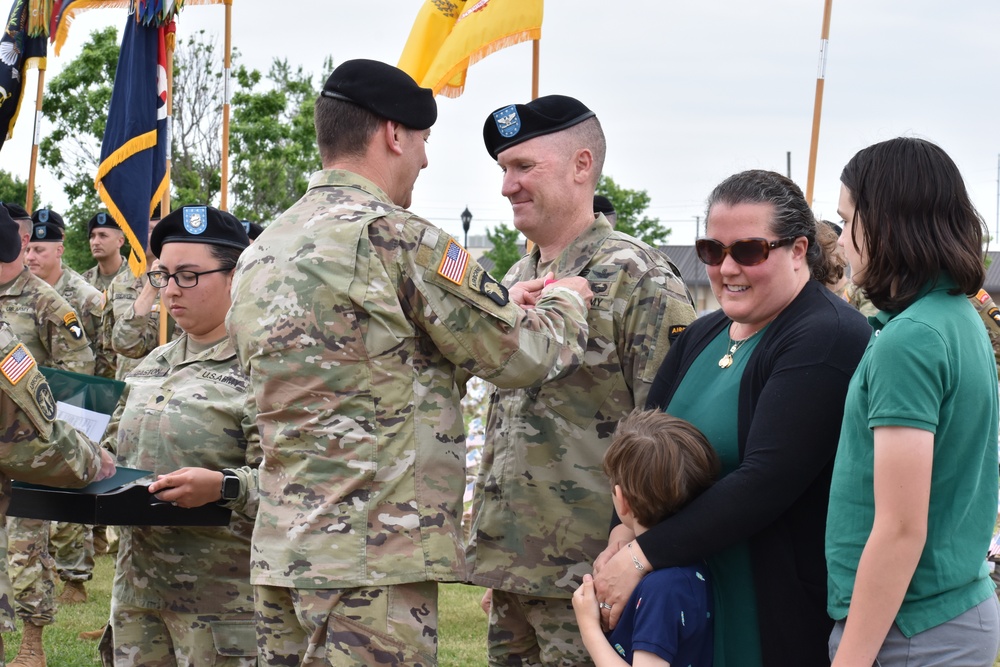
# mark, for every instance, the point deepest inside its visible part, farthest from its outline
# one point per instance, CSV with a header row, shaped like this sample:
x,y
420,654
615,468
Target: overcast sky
x,y
688,92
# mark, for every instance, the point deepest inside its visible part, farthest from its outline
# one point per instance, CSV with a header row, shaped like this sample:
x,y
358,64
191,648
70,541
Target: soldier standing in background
x,y
541,509
106,241
355,320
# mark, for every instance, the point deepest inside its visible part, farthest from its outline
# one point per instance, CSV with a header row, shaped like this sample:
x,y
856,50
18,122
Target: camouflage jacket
x,y
102,282
353,318
184,408
131,336
88,302
542,504
46,324
34,446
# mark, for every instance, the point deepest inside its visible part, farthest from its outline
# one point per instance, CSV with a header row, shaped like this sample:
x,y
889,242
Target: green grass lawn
x,y
462,633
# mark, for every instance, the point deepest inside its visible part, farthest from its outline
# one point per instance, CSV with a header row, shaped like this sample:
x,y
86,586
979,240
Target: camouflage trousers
x,y
32,570
159,638
391,626
72,547
7,618
528,631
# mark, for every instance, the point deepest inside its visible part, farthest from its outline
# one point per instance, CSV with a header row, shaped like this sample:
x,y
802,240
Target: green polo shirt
x,y
929,367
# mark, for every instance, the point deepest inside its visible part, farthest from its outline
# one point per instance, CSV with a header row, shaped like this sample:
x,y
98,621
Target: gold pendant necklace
x,y
727,359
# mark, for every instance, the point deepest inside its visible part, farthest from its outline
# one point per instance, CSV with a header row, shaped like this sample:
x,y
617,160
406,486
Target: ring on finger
x,y
605,605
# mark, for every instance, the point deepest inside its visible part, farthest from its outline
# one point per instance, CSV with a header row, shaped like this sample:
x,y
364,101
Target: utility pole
x,y
697,226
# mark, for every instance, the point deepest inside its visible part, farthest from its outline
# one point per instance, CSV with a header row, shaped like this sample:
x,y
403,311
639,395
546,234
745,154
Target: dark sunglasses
x,y
745,252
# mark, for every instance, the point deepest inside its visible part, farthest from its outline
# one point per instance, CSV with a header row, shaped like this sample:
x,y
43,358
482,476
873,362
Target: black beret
x,y
10,237
16,211
384,90
103,220
48,215
46,231
603,205
516,123
252,229
199,224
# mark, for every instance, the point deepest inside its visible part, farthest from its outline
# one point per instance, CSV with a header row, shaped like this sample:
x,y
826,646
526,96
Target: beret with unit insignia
x,y
199,224
516,123
47,215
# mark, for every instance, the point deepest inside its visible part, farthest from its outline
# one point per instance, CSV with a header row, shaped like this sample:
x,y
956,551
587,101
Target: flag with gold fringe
x,y
132,175
22,47
147,12
450,35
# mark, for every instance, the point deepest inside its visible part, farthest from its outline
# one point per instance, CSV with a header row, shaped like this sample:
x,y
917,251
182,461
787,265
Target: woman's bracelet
x,y
635,561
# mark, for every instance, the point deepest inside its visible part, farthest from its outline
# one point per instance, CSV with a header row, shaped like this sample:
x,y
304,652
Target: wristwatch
x,y
230,486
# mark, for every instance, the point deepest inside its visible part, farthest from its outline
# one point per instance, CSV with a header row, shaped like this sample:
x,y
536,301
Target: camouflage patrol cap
x,y
199,224
516,123
16,211
102,220
48,215
46,232
384,90
10,237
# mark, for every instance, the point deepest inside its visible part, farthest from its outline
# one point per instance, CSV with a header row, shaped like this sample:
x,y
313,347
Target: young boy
x,y
656,465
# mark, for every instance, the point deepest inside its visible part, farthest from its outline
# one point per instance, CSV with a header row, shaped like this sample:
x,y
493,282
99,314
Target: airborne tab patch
x,y
454,263
73,326
488,286
675,331
17,364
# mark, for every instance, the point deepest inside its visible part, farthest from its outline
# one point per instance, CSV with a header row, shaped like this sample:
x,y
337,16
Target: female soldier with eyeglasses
x,y
764,378
182,595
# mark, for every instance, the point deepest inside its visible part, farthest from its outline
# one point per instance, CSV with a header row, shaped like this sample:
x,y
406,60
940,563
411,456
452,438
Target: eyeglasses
x,y
184,279
745,252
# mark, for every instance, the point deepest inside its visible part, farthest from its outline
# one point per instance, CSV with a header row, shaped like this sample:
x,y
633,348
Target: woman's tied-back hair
x,y
792,215
660,462
916,219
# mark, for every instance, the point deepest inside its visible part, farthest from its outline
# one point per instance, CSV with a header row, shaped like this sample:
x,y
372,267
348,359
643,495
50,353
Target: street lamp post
x,y
466,222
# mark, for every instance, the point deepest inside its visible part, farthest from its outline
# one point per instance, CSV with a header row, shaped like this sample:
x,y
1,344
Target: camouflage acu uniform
x,y
186,405
88,302
102,282
990,314
34,447
51,330
131,336
542,503
353,324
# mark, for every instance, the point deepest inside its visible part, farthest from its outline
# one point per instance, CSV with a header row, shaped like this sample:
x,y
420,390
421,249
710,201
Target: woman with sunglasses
x,y
182,595
764,378
914,491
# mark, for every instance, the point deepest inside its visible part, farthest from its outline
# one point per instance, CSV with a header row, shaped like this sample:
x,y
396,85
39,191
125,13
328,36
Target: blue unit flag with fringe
x,y
18,52
132,175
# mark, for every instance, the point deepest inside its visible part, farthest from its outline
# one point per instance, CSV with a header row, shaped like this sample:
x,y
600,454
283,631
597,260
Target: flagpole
x,y
224,195
535,48
165,200
35,138
818,104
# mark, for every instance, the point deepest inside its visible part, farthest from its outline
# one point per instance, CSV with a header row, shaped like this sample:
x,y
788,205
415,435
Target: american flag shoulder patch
x,y
454,263
17,364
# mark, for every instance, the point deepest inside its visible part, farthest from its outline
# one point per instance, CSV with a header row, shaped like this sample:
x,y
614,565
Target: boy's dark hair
x,y
660,462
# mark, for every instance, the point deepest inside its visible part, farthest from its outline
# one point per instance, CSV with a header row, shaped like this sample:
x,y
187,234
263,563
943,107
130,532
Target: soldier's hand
x,y
526,293
108,468
487,602
578,284
188,487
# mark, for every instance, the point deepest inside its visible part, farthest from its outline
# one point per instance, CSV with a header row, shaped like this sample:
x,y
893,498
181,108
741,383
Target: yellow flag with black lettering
x,y
450,35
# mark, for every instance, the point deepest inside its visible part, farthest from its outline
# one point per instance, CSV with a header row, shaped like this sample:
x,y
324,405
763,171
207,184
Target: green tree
x,y
273,140
14,189
76,102
630,205
506,249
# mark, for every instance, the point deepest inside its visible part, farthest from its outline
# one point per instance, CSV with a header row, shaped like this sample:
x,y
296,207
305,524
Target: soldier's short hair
x,y
343,129
660,462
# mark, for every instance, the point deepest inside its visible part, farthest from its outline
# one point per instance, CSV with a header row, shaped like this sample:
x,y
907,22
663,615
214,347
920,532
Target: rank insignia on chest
x,y
454,263
488,286
17,364
73,326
